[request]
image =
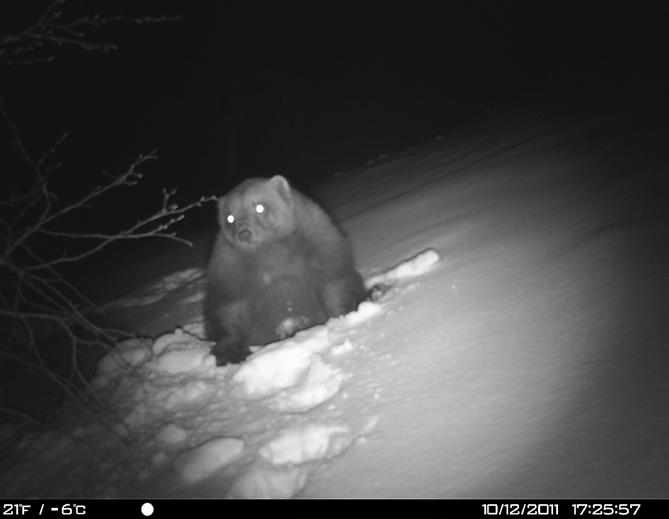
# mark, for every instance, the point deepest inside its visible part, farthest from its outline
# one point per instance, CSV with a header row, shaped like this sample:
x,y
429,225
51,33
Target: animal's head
x,y
257,211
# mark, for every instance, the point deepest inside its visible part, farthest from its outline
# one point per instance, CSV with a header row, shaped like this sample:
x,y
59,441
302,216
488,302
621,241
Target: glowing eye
x,y
260,209
230,218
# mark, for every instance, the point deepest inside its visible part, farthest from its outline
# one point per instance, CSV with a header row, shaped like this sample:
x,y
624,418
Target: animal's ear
x,y
222,212
281,185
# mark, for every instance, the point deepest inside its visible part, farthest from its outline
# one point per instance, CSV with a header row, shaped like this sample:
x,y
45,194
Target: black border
x,y
315,508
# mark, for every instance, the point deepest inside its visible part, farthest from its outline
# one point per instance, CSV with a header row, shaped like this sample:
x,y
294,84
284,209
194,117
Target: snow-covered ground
x,y
521,351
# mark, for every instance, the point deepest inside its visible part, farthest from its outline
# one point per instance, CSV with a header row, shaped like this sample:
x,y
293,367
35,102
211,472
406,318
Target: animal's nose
x,y
244,235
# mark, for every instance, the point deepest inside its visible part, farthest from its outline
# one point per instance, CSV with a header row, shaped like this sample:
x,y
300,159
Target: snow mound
x,y
415,266
366,310
280,365
126,354
307,443
343,348
173,397
172,353
321,383
200,462
270,482
171,435
186,358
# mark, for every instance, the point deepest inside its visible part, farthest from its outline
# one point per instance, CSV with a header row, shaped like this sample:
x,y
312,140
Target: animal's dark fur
x,y
278,265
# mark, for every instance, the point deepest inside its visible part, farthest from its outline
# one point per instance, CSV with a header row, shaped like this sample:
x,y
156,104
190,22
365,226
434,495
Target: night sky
x,y
306,89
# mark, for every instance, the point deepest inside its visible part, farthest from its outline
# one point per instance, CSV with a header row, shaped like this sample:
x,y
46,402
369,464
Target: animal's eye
x,y
260,209
230,218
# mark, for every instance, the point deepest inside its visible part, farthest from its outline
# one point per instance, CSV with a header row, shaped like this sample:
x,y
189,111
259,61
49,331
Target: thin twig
x,y
38,300
52,30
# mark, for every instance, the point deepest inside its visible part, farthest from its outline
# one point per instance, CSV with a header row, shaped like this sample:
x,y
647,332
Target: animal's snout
x,y
244,234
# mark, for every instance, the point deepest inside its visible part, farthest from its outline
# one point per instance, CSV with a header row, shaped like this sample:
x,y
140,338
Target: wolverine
x,y
279,265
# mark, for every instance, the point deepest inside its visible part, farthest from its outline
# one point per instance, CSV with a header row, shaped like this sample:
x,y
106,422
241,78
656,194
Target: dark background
x,y
309,88
305,89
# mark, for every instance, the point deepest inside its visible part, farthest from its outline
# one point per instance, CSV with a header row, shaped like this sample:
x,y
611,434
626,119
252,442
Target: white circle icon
x,y
147,509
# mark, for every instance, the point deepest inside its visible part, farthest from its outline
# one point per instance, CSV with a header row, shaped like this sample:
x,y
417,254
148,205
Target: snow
x,y
365,311
270,482
306,443
415,267
160,289
519,351
202,461
172,435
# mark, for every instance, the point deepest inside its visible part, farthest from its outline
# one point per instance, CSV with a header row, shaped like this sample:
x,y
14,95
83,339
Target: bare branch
x,y
45,156
37,304
129,178
25,416
53,29
39,308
